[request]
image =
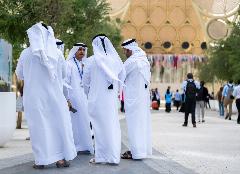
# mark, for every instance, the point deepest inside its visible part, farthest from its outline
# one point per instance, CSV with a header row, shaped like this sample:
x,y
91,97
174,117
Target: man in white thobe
x,y
40,66
137,104
60,45
77,99
102,80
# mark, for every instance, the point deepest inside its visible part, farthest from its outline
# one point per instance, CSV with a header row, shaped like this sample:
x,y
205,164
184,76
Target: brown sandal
x,y
127,155
62,164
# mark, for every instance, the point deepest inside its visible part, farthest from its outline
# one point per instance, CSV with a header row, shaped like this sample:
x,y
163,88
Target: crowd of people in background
x,y
195,99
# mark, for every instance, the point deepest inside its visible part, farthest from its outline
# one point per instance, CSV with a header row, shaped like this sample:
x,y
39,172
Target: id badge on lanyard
x,y
79,71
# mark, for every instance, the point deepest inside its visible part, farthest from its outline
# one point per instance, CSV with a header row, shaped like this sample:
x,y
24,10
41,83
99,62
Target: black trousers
x,y
122,106
177,104
168,107
190,107
158,102
238,108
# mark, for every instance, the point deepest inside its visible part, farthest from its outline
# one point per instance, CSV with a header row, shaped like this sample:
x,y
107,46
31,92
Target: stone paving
x,y
212,148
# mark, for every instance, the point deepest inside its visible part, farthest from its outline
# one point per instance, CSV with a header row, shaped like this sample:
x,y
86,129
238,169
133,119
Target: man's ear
x,y
130,51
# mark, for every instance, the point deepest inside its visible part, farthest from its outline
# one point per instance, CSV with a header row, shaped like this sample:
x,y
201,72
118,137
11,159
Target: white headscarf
x,y
107,57
75,48
43,45
138,56
60,45
132,45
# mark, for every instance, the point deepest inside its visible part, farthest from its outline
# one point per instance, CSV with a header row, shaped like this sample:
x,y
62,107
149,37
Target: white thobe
x,y
77,97
46,110
103,110
137,111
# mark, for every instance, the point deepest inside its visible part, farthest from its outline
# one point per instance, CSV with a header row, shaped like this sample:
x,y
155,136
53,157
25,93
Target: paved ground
x,y
212,148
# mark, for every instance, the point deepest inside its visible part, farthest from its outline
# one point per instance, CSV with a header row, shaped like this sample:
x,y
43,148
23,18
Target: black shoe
x,y
184,125
238,122
229,118
226,117
194,125
203,121
62,165
127,155
38,166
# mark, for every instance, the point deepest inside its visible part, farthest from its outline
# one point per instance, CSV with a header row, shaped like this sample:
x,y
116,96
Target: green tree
x,y
224,61
72,20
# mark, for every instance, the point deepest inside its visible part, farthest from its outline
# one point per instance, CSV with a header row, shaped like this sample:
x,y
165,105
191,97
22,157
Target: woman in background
x,y
168,99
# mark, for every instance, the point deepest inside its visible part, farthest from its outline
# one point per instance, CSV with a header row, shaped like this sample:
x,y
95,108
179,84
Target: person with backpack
x,y
227,98
201,98
190,88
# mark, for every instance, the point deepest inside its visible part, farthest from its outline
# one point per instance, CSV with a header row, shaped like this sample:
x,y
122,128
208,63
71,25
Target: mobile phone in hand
x,y
73,110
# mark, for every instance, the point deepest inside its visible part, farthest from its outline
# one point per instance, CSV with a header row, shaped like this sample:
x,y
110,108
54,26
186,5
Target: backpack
x,y
230,92
200,94
191,90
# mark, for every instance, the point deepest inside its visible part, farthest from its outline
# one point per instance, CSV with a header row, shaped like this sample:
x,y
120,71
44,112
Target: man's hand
x,y
69,104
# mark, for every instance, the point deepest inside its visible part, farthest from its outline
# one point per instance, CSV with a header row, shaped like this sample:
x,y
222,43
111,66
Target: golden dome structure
x,y
174,33
174,26
161,26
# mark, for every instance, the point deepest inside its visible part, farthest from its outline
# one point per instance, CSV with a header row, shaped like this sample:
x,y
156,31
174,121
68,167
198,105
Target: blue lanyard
x,y
80,72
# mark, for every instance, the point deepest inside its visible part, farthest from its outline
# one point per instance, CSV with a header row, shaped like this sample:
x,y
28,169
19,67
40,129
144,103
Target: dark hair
x,y
177,90
168,91
238,82
230,81
190,76
221,88
202,83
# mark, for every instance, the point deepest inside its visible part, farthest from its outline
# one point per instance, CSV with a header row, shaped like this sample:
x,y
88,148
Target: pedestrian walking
x,y
190,88
227,98
220,102
168,100
200,102
177,99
